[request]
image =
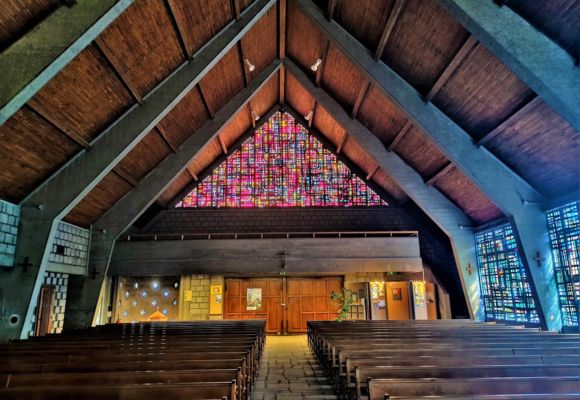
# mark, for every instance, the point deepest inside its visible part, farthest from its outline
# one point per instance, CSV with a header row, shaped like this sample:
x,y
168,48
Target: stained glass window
x,y
564,229
281,165
505,288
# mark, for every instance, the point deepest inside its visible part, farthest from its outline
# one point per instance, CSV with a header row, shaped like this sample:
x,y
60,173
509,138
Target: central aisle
x,y
289,371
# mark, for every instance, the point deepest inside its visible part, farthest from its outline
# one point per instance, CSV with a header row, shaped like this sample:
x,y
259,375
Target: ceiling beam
x,y
165,138
465,49
542,64
282,29
440,209
372,172
222,144
342,142
389,26
360,98
408,125
511,193
330,9
29,63
442,171
514,117
49,203
114,222
323,57
208,110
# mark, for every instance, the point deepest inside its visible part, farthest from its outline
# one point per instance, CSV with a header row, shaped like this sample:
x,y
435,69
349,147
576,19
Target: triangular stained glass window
x,y
281,165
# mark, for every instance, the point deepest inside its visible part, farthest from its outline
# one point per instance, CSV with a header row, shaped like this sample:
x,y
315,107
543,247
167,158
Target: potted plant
x,y
343,300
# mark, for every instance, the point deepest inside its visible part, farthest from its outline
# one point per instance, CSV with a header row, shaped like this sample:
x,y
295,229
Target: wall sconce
x,y
314,67
308,116
251,66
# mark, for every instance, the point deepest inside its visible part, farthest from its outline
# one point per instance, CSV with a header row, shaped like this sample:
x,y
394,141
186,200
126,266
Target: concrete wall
x,y
9,218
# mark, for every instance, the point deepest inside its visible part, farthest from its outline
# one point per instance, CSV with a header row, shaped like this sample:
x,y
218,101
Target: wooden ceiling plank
x,y
360,98
114,64
205,103
161,132
461,54
514,117
408,125
553,76
439,174
76,179
342,142
323,57
389,27
54,42
123,213
177,28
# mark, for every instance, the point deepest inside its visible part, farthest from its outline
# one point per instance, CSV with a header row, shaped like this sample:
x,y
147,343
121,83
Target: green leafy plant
x,y
343,300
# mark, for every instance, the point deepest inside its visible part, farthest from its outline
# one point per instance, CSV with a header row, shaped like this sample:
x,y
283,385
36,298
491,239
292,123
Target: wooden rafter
x,y
323,56
223,144
252,115
360,98
236,9
282,29
70,135
282,88
400,135
205,103
125,177
179,30
165,138
342,142
247,75
465,49
514,117
389,26
115,66
372,172
448,167
330,9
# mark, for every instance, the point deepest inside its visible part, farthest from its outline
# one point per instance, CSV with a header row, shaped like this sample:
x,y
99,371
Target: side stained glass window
x,y
282,165
505,288
564,231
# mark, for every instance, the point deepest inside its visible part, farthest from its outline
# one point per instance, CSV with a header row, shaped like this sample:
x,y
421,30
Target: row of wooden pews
x,y
448,358
144,361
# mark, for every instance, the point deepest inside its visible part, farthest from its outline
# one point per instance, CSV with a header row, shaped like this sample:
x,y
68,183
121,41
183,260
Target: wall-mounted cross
x,y
25,264
94,273
469,269
538,258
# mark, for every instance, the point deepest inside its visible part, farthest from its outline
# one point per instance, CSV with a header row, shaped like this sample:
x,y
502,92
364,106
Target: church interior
x,y
289,199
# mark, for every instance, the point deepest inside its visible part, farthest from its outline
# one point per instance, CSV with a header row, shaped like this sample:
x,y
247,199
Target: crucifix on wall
x,y
469,269
538,258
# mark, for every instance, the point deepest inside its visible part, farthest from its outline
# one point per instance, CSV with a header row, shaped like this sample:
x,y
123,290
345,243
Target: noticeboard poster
x,y
254,299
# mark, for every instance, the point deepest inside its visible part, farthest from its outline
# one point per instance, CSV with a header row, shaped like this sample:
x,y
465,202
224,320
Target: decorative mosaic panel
x,y
138,298
564,229
505,288
282,165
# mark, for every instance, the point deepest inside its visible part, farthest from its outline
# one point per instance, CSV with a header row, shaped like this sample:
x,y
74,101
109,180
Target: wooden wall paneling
x,y
383,179
184,119
364,19
259,44
328,126
84,97
304,41
150,151
223,81
465,194
381,116
423,42
236,127
298,97
542,148
266,97
143,44
342,79
31,150
98,201
420,153
176,186
482,93
205,157
19,16
200,20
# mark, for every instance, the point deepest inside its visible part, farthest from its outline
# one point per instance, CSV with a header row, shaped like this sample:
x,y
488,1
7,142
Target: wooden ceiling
x,y
417,38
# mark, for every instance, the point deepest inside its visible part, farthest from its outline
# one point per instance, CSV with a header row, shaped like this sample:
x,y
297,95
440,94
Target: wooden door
x,y
431,299
43,324
309,299
397,300
270,307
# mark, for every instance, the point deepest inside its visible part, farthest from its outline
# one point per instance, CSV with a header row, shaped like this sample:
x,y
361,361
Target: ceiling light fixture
x,y
255,115
315,66
251,66
308,116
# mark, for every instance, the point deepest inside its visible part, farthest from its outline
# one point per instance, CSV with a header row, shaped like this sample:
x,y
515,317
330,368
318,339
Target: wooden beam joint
x,y
448,167
400,135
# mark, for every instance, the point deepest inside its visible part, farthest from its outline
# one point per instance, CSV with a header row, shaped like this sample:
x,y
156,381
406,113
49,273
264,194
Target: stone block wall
x,y
9,219
198,307
71,246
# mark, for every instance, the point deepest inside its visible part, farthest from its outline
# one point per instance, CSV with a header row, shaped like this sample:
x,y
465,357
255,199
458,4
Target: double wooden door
x,y
286,303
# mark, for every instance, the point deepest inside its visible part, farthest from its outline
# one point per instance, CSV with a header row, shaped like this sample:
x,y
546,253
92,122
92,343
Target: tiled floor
x,y
289,371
